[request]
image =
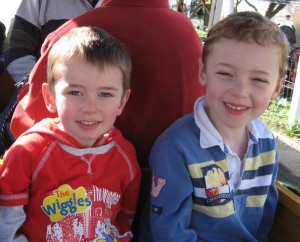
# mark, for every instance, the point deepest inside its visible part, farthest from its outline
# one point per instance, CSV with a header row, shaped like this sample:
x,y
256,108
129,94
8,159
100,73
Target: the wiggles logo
x,y
66,201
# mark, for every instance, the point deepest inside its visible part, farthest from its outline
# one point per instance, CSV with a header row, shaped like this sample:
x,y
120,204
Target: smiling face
x,y
87,98
241,79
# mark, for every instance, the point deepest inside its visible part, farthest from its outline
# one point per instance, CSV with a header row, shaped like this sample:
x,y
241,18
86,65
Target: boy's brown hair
x,y
247,27
93,45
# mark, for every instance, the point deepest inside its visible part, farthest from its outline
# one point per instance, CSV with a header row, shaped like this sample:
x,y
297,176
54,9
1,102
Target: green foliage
x,y
202,34
276,117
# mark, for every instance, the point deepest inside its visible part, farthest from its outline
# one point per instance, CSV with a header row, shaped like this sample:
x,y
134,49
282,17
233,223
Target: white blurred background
x,y
7,10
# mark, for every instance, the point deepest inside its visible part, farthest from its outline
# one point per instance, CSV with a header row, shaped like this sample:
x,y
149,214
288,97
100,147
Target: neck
x,y
237,141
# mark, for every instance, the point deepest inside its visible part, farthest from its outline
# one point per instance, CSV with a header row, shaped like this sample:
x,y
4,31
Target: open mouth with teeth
x,y
88,124
234,107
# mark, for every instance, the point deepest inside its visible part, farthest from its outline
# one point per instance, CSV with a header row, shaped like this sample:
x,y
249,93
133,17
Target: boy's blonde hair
x,y
95,46
247,27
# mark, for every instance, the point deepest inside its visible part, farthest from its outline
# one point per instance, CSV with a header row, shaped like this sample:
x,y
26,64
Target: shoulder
x,y
29,143
126,148
32,140
26,152
29,7
262,138
182,134
122,141
260,130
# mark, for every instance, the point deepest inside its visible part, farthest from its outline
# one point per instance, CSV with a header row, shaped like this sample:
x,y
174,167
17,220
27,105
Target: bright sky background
x,y
7,10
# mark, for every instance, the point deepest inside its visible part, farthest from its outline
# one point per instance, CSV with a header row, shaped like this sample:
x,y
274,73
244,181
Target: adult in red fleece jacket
x,y
165,51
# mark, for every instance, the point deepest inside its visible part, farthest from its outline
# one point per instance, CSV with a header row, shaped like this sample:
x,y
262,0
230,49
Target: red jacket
x,y
165,52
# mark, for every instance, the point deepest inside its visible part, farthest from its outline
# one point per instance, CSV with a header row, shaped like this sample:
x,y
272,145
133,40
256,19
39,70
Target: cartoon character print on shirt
x,y
109,233
216,186
77,215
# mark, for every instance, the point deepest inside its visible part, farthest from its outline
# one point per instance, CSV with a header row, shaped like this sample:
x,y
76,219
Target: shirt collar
x,y
209,136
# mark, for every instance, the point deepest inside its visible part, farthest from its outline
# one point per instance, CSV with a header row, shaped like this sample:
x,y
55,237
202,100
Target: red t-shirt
x,y
69,192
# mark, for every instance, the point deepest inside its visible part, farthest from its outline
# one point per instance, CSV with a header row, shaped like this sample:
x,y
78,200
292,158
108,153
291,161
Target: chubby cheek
x,y
63,108
64,115
112,114
264,104
213,94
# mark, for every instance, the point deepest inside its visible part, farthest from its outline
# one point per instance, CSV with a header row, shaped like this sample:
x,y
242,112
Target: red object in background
x,y
165,51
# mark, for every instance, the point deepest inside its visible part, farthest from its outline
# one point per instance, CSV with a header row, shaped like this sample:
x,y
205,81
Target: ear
x,y
278,88
124,100
202,74
49,99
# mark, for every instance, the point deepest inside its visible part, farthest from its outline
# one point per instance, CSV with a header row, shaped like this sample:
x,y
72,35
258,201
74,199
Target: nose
x,y
89,105
240,87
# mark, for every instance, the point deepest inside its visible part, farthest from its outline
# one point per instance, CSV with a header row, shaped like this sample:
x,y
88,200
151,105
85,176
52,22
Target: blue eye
x,y
75,93
105,94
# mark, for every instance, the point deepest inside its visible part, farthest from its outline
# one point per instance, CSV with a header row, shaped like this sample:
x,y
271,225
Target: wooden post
x,y
215,12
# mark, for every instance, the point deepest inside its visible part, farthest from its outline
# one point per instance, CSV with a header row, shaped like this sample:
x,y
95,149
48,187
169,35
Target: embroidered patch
x,y
157,185
216,186
156,209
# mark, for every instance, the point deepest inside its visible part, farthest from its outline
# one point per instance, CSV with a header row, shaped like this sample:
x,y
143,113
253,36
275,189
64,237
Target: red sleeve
x,y
16,172
131,193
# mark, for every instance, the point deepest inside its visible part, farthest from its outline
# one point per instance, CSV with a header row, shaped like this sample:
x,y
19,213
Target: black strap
x,y
93,2
6,136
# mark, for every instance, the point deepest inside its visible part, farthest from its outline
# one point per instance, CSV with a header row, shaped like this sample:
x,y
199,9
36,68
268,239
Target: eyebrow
x,y
101,88
255,70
